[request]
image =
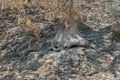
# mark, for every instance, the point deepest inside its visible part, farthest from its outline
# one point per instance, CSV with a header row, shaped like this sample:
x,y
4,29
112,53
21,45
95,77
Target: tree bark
x,y
68,34
67,38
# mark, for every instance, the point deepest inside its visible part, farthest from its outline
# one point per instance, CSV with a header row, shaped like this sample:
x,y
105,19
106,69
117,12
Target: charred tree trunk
x,y
68,34
66,38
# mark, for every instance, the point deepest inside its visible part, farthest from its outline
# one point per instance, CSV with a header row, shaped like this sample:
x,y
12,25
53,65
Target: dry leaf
x,y
28,23
19,21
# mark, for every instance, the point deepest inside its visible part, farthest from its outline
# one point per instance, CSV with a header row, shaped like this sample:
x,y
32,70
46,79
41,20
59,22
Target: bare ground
x,y
22,57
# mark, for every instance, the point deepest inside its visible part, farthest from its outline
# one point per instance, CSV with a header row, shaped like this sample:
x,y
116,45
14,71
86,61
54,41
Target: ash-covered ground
x,y
23,57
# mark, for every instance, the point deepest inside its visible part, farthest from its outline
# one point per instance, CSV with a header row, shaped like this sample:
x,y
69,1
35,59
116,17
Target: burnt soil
x,y
23,57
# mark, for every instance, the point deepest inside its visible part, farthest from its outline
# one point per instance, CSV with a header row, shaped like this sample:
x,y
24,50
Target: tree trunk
x,y
66,38
68,34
